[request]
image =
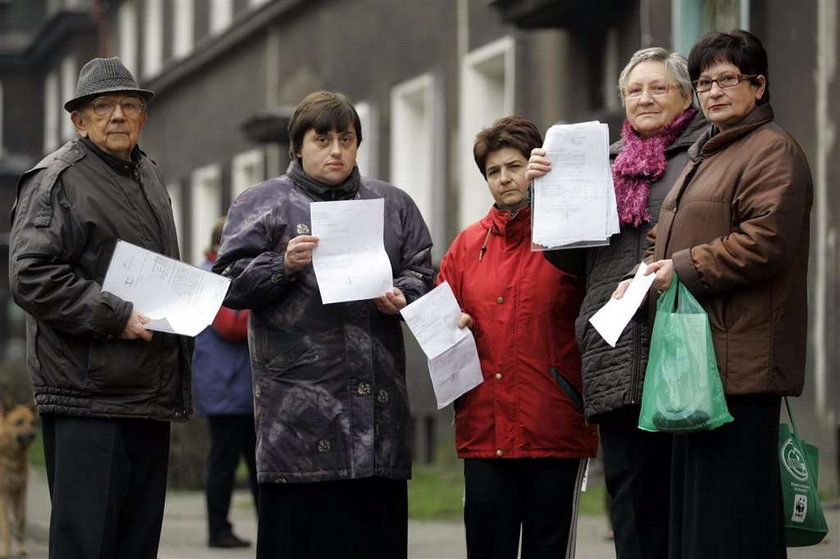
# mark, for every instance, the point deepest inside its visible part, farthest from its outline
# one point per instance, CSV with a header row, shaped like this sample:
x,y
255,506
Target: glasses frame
x,y
668,87
740,77
122,107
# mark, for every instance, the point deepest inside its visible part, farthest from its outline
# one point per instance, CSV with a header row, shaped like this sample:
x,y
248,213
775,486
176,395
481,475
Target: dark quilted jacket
x,y
329,380
612,377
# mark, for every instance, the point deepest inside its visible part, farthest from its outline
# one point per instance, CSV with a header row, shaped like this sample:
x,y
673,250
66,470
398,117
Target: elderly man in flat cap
x,y
106,388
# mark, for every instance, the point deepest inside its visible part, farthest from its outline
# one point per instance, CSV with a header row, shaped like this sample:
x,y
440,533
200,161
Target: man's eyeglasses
x,y
131,107
724,81
635,91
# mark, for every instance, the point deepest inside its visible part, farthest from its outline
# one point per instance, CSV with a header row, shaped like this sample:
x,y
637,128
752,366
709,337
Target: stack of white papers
x,y
179,298
574,204
451,351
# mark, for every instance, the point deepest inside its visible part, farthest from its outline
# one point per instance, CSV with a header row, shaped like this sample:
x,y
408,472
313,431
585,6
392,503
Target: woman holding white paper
x,y
331,404
521,433
661,125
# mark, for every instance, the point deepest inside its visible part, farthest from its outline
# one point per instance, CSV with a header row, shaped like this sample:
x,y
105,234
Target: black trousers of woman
x,y
231,437
536,497
637,472
348,519
726,498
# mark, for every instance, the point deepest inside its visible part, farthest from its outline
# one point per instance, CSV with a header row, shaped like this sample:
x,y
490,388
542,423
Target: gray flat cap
x,y
105,75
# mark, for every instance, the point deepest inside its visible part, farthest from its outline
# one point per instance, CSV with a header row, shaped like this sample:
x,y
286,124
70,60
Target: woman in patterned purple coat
x,y
329,380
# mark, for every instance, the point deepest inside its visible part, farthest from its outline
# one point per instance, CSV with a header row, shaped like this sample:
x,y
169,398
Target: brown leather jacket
x,y
736,225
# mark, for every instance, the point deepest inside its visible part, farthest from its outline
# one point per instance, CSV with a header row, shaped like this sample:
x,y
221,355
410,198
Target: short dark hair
x,y
507,132
323,111
738,47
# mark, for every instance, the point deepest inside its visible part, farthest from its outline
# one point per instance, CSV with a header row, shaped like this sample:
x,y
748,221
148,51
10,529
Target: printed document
x,y
179,298
611,319
350,261
451,351
574,204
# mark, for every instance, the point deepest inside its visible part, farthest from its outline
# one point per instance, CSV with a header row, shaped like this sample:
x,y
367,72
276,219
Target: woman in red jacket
x,y
521,433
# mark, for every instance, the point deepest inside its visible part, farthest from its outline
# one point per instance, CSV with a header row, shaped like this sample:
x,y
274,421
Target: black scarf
x,y
347,190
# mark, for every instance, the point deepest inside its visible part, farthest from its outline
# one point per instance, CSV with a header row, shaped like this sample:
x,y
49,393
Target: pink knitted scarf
x,y
641,163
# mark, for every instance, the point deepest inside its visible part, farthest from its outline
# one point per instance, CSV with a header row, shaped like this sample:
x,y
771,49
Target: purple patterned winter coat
x,y
329,380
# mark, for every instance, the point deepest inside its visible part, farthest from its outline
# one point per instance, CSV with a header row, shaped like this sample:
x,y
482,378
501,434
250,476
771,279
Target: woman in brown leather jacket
x,y
735,228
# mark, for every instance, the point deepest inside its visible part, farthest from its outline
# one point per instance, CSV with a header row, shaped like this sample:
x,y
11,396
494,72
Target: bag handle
x,y
792,420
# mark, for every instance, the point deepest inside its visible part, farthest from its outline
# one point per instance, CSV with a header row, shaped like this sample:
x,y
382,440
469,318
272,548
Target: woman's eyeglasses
x,y
724,81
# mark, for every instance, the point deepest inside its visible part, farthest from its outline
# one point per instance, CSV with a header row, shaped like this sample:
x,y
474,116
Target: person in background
x,y
735,230
522,432
105,387
660,127
222,393
329,380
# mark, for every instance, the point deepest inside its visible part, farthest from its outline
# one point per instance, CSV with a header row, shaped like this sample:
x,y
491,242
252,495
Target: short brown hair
x,y
737,47
507,132
323,111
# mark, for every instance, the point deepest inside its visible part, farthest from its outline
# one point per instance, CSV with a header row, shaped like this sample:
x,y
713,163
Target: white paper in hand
x,y
611,319
451,351
179,298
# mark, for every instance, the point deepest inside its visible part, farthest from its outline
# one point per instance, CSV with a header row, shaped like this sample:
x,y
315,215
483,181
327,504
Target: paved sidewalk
x,y
184,533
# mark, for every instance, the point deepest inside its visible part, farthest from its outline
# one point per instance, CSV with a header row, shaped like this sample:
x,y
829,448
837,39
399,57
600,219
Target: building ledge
x,y
539,14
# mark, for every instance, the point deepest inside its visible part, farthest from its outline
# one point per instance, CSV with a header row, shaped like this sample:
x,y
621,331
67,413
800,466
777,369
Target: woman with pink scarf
x,y
661,124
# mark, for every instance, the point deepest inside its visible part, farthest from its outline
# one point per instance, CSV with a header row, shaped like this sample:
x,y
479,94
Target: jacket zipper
x,y
637,342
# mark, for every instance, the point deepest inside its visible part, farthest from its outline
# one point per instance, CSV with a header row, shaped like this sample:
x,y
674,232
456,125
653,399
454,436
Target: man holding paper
x,y
521,432
331,404
105,387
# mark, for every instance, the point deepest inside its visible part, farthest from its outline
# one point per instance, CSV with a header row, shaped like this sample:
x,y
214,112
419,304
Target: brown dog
x,y
17,431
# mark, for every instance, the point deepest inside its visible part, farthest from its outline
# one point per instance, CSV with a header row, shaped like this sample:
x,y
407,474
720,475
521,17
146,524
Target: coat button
x,y
324,445
498,376
382,397
363,388
499,452
500,300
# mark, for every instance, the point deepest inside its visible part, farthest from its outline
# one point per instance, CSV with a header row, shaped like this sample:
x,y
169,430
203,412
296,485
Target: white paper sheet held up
x,y
574,204
611,319
350,261
451,351
179,298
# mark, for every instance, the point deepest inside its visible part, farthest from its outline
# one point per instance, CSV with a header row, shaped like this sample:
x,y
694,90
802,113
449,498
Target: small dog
x,y
17,431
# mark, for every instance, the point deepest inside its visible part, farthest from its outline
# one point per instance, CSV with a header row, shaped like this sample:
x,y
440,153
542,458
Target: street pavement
x,y
184,533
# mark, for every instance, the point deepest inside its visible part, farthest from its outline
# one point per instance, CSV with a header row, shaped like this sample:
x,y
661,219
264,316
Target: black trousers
x,y
353,519
637,471
726,500
107,480
534,496
231,437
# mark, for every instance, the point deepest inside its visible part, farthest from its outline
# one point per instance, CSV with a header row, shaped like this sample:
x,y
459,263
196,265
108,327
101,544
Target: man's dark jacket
x,y
71,209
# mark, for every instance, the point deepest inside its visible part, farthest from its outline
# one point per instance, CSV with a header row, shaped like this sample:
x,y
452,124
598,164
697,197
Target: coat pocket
x,y
117,366
568,388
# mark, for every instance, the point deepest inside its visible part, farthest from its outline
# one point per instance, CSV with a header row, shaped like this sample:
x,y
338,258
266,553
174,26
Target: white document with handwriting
x,y
179,298
350,261
451,351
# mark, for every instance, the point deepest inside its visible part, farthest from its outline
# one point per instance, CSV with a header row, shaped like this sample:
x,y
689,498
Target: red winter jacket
x,y
524,310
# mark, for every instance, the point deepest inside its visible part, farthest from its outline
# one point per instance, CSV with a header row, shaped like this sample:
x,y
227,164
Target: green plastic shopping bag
x,y
799,467
682,392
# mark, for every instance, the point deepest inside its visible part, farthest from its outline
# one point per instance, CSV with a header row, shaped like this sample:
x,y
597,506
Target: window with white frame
x,y
691,19
413,142
487,90
152,38
221,14
69,76
367,156
175,192
247,169
52,105
182,28
205,209
127,35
